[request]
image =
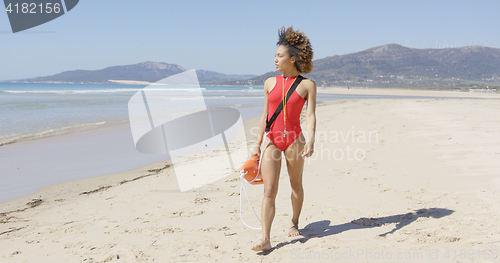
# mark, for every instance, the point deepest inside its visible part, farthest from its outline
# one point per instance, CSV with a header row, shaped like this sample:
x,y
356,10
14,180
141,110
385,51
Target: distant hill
x,y
395,65
143,72
212,77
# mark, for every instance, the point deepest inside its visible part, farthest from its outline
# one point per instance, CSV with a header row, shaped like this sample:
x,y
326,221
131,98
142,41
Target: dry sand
x,y
391,180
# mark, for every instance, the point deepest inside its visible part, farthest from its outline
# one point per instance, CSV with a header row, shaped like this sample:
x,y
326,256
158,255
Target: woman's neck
x,y
290,73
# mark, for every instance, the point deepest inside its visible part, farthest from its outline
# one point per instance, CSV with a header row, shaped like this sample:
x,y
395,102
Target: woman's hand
x,y
255,150
308,149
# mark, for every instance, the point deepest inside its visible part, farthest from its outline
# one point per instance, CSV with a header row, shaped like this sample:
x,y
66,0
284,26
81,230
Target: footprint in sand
x,y
188,214
15,253
201,200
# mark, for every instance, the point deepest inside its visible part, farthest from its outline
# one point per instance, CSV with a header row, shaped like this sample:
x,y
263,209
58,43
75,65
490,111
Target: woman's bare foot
x,y
294,230
263,246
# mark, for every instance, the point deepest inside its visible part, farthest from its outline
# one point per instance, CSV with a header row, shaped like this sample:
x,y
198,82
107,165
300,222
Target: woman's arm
x,y
310,118
268,85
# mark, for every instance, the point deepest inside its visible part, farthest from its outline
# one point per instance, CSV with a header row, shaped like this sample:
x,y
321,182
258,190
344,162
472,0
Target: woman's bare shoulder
x,y
309,83
269,83
270,80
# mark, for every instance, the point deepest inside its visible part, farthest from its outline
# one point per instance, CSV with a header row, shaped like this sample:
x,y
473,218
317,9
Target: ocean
x,y
37,110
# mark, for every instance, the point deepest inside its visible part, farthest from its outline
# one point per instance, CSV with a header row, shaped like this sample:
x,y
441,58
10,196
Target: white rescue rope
x,y
246,194
241,216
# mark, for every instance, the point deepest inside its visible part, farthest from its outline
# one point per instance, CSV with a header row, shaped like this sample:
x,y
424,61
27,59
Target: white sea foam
x,y
90,91
15,137
232,98
234,90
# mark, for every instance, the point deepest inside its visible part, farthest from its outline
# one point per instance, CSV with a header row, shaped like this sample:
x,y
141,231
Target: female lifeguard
x,y
293,56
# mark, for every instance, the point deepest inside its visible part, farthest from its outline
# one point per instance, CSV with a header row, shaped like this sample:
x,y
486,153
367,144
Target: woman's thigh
x,y
270,167
295,160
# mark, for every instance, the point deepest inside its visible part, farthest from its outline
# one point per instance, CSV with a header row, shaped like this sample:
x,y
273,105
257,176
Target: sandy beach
x,y
391,180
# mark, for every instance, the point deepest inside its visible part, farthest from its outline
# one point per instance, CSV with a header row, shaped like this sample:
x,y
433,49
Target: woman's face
x,y
282,59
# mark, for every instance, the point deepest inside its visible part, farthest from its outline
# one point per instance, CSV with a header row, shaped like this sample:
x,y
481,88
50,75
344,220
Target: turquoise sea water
x,y
37,110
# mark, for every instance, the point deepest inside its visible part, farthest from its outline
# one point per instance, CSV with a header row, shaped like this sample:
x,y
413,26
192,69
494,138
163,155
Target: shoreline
x,y
427,183
77,186
66,130
73,188
51,160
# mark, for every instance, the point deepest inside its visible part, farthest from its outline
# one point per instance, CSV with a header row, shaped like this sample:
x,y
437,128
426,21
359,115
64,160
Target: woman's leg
x,y
270,169
295,166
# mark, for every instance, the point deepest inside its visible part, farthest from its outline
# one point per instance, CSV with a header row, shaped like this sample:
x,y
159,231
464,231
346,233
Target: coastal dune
x,y
391,180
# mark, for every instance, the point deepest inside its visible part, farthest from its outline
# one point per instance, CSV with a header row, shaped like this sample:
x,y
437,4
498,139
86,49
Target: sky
x,y
234,37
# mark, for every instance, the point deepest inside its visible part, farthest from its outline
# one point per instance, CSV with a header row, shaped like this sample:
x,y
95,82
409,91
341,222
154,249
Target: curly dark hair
x,y
299,47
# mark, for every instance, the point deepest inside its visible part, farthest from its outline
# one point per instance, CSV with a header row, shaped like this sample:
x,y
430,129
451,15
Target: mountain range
x,y
141,73
395,65
389,65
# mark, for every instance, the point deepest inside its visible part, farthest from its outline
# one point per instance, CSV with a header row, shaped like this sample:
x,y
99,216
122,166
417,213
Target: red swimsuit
x,y
293,109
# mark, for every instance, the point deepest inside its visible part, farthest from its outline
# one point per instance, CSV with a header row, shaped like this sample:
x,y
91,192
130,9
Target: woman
x,y
293,56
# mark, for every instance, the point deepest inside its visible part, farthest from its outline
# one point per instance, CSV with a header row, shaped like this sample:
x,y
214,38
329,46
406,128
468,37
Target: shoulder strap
x,y
280,107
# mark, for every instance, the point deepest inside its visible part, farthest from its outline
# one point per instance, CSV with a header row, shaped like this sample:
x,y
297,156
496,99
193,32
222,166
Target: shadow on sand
x,y
323,228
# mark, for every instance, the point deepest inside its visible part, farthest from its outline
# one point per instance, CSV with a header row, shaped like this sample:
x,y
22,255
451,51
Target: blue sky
x,y
234,37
